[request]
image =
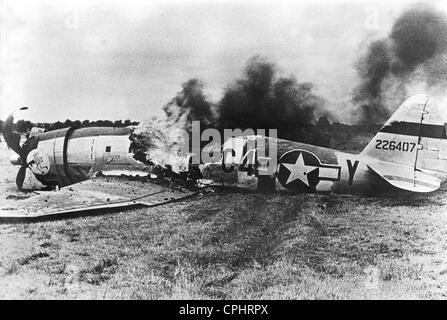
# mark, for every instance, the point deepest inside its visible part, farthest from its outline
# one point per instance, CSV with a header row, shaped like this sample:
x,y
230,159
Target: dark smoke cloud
x,y
414,53
262,99
373,68
190,104
418,35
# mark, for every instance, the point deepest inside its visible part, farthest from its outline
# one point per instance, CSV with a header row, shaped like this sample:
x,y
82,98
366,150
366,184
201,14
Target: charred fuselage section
x,y
71,155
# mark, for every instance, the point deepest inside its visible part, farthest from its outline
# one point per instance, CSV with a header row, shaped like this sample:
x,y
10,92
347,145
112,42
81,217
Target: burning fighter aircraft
x,y
70,155
408,153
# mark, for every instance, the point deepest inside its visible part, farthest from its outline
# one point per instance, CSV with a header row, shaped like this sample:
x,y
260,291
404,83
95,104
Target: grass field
x,y
232,245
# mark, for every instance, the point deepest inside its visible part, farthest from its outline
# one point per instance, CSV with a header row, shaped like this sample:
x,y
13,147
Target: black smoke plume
x,y
262,99
190,104
160,141
412,56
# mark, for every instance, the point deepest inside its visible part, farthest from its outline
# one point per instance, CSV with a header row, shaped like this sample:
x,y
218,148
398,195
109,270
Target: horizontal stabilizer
x,y
405,178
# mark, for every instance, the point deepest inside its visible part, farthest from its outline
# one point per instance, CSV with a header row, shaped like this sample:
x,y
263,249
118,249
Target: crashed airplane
x,y
409,154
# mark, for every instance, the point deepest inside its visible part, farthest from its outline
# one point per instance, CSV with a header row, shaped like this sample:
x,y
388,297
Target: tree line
x,y
24,126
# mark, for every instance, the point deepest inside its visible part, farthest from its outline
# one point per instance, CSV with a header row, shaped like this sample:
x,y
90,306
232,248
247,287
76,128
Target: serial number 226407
x,y
394,145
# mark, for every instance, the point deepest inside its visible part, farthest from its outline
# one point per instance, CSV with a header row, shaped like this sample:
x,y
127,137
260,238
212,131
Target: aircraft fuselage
x,y
67,156
300,168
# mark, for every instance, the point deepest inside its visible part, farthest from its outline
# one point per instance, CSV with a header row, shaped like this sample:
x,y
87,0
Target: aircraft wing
x,y
94,196
405,178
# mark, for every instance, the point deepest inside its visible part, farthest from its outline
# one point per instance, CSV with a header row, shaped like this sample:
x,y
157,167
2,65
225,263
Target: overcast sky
x,y
126,59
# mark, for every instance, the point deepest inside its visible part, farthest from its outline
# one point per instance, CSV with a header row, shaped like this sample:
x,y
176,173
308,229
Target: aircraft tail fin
x,y
414,136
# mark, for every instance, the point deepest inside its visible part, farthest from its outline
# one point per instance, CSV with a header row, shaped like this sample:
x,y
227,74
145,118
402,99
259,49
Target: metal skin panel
x,y
356,177
433,155
415,133
84,155
95,196
58,156
50,135
395,156
101,131
113,150
81,150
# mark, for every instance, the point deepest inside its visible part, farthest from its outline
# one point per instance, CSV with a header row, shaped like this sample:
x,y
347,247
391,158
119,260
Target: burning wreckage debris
x,y
161,145
145,153
62,157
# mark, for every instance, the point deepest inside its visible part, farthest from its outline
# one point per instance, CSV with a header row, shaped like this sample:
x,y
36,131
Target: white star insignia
x,y
299,170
